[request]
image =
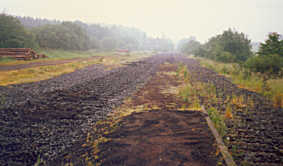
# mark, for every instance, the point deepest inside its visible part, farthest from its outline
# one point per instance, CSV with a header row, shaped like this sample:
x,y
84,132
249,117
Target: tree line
x,y
235,47
54,34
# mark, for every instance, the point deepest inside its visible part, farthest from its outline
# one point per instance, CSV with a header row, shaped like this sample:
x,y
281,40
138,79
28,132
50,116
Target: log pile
x,y
20,53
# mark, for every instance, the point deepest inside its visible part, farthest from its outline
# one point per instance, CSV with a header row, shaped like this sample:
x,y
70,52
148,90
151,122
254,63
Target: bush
x,y
230,46
270,64
273,45
225,57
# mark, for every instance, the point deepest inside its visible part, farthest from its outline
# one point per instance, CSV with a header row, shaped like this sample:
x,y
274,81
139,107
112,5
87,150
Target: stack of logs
x,y
20,53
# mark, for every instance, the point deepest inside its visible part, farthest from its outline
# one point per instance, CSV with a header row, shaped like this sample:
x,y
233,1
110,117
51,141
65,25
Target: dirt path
x,y
41,63
160,130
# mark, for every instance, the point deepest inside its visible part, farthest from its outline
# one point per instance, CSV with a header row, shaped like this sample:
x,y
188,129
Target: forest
x,y
31,32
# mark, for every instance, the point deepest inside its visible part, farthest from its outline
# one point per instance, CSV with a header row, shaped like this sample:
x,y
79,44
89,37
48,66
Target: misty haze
x,y
141,83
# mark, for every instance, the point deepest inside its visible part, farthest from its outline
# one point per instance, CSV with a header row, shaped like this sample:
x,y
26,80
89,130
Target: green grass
x,y
62,54
6,59
186,92
218,121
235,73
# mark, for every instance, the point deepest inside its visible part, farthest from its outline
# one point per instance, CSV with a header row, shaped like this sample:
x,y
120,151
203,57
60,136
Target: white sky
x,y
174,18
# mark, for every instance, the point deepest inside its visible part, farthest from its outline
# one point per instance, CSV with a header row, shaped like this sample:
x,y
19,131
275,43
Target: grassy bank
x,y
251,81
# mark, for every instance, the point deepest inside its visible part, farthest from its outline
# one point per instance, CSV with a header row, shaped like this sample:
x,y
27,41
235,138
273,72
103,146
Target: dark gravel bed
x,y
47,118
20,93
255,134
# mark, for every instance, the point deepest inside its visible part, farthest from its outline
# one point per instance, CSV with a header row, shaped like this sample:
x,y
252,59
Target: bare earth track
x,y
160,137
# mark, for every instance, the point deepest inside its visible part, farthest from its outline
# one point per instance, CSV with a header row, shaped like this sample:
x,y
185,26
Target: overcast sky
x,y
174,18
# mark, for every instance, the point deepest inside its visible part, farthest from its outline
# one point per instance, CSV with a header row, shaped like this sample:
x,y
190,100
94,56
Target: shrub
x,y
230,46
270,64
225,57
273,45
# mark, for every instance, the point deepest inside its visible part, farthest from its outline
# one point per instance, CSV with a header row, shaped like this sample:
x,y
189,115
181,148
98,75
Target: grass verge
x,y
251,81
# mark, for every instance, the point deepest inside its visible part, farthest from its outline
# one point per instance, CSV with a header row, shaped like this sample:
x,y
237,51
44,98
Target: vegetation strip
x,y
272,88
224,150
249,124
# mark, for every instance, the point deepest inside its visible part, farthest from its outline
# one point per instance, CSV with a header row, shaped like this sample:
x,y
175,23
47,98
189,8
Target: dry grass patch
x,y
40,73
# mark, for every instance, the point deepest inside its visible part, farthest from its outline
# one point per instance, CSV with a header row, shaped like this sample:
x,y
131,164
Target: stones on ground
x,y
49,117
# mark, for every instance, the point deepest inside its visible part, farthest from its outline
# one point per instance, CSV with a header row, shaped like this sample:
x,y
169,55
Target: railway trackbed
x,y
134,115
